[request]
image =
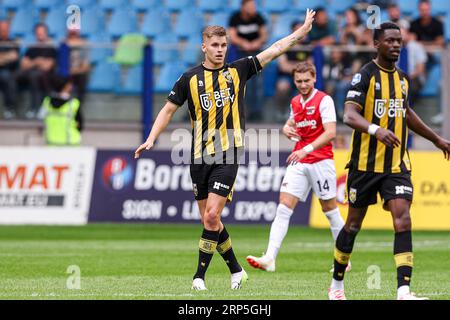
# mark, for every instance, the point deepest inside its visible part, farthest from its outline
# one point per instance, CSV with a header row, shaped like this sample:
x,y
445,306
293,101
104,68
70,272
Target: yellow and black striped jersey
x,y
216,106
382,95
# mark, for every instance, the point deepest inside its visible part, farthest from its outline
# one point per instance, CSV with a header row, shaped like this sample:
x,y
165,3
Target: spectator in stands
x,y
61,113
383,4
323,32
9,64
79,63
337,74
248,33
417,59
355,33
285,87
395,14
37,65
427,29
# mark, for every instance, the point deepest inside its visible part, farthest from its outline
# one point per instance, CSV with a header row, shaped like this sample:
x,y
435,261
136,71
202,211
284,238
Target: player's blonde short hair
x,y
303,67
211,31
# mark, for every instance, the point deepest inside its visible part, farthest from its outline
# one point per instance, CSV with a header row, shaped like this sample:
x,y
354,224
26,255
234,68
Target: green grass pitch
x,y
157,262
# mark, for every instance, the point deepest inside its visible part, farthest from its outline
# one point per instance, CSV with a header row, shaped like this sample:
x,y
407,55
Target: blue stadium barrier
x,y
64,60
447,27
319,61
147,92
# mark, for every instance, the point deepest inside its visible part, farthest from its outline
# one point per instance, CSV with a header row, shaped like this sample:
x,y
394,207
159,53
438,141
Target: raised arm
x,y
418,126
283,45
160,124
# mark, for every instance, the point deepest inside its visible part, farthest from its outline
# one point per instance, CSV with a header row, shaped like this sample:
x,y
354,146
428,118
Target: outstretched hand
x,y
444,145
147,145
309,19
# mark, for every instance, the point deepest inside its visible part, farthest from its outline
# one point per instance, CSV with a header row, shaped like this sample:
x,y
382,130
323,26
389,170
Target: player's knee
x,y
402,222
211,218
353,227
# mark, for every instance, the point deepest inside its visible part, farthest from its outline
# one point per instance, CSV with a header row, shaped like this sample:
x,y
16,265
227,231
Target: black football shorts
x,y
214,178
363,187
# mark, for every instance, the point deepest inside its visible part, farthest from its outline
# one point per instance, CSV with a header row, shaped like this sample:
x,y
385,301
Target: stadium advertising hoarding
x,y
45,185
431,204
154,189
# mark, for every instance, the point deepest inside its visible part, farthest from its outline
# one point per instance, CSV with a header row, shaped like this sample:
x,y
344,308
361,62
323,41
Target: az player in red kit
x,y
313,125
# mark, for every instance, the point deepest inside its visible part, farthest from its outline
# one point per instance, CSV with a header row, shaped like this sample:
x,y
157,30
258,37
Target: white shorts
x,y
301,177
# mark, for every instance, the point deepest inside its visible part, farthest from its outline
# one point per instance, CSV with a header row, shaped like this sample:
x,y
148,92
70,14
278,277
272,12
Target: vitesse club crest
x,y
352,195
194,186
403,86
227,75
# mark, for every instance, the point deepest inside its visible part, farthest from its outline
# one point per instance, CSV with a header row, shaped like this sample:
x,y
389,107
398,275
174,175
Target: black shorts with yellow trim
x,y
213,178
363,187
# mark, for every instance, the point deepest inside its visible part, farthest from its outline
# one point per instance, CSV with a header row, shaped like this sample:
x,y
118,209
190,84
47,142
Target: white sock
x,y
336,222
402,290
278,230
337,285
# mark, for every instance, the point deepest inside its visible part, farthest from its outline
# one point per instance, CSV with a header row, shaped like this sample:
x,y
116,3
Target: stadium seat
x,y
219,19
192,53
104,77
145,5
440,7
408,7
15,4
22,22
302,5
130,49
46,4
277,6
122,21
132,82
156,21
99,53
82,3
56,20
282,26
432,85
339,6
169,74
211,5
178,5
165,48
189,22
112,5
90,22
